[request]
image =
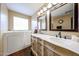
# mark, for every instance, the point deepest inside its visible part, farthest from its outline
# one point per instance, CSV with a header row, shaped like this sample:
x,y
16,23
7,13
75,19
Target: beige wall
x,y
3,24
12,14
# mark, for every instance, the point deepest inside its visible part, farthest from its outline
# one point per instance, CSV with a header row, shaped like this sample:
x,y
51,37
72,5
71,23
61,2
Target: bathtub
x,y
15,40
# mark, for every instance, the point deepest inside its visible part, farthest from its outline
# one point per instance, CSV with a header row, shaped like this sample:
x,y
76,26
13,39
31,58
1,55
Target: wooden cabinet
x,y
39,49
64,52
43,48
56,50
50,49
49,45
34,45
37,46
48,52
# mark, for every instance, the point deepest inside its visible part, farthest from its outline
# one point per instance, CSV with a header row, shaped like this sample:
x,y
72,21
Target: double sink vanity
x,y
46,45
61,17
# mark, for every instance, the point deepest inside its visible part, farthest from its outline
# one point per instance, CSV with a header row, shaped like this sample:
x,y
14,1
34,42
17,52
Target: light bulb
x,y
49,5
41,11
44,8
54,3
38,13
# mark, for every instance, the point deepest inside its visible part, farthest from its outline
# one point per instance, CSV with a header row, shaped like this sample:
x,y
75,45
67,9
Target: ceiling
x,y
25,8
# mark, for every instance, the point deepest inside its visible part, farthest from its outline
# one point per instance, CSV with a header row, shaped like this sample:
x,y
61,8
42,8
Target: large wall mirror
x,y
42,23
64,18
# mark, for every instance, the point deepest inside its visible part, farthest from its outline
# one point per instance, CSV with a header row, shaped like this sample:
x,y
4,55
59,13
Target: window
x,y
20,23
34,24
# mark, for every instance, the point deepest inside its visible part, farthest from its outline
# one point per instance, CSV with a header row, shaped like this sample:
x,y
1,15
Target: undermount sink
x,y
58,39
64,36
55,38
63,39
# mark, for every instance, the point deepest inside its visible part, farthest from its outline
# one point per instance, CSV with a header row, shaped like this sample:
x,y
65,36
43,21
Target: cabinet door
x,y
50,45
65,52
34,43
55,54
48,52
14,42
27,38
49,49
39,47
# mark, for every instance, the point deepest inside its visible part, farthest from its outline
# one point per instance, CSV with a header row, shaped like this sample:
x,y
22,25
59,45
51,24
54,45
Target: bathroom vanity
x,y
61,17
46,45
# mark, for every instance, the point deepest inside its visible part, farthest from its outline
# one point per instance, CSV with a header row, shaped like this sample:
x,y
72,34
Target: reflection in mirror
x,y
63,17
42,22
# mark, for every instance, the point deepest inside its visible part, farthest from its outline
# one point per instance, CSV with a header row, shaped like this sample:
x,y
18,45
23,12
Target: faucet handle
x,y
64,37
59,33
56,35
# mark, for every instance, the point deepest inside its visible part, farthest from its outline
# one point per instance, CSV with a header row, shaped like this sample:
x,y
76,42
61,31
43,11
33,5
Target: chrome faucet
x,y
59,34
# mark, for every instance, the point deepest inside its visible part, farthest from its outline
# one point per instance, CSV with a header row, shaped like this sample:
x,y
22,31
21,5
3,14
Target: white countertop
x,y
65,43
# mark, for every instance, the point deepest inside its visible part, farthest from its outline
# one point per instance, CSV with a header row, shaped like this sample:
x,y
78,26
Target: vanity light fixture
x,y
38,13
54,3
49,5
45,8
41,11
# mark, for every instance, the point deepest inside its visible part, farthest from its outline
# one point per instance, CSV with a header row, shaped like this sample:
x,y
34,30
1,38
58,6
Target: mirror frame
x,y
75,20
40,25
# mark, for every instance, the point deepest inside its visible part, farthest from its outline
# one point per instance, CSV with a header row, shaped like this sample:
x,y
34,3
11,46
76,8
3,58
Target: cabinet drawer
x,y
48,52
39,40
33,38
52,46
65,52
55,54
